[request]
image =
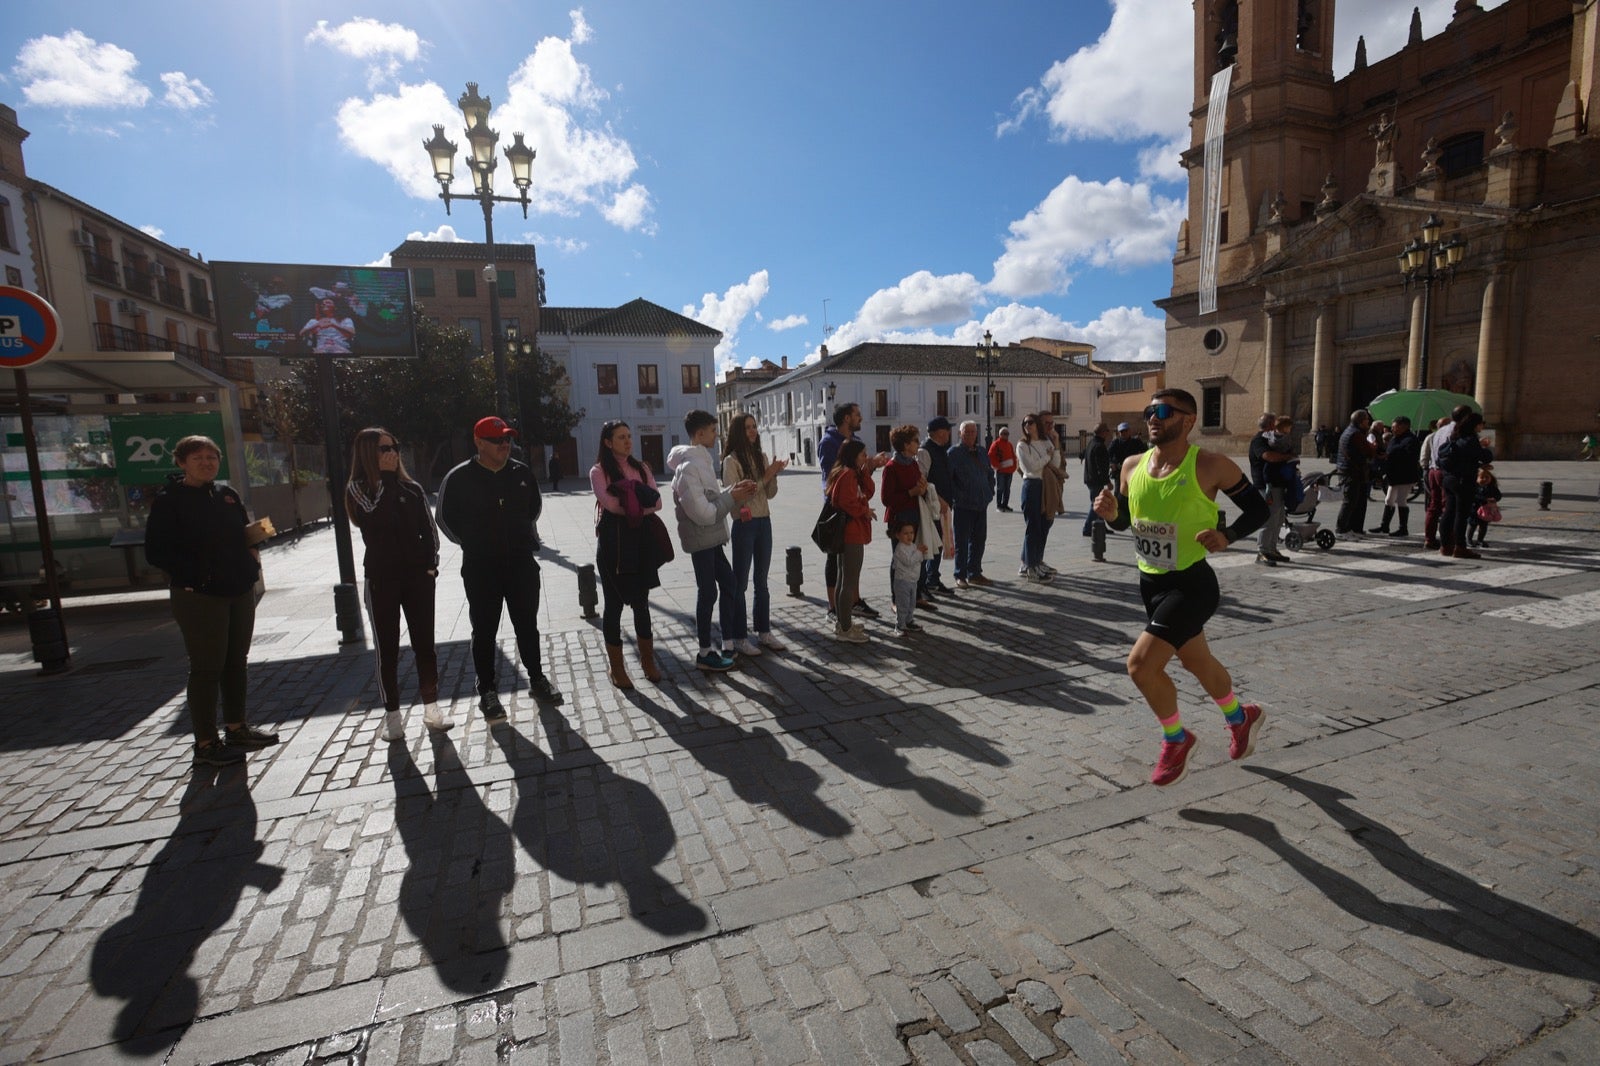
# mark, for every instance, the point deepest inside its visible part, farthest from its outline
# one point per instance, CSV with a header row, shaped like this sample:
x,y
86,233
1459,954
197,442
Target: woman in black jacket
x,y
402,565
196,533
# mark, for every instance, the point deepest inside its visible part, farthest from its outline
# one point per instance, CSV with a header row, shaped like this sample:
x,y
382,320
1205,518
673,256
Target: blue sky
x,y
912,171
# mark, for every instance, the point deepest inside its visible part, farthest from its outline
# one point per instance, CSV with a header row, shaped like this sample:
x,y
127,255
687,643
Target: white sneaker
x,y
1022,571
768,640
434,720
1048,571
857,635
394,727
747,646
1038,575
961,583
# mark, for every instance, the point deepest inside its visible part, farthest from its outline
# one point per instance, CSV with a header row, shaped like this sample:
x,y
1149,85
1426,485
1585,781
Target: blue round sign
x,y
30,329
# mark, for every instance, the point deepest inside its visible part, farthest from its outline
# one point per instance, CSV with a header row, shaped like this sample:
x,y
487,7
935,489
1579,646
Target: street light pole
x,y
988,353
1424,261
475,109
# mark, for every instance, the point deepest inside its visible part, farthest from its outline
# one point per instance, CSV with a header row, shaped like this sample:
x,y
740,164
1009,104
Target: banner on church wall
x,y
1211,217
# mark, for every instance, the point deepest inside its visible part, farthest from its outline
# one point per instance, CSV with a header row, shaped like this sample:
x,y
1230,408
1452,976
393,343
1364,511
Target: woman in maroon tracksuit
x,y
402,565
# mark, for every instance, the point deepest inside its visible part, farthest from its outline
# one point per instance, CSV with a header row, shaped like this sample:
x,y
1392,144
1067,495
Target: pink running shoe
x,y
1243,740
1174,761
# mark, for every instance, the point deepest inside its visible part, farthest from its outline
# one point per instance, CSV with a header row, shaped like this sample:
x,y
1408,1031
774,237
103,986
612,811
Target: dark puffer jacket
x,y
197,536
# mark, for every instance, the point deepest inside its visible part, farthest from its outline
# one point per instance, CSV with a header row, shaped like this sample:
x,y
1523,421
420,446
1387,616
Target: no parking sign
x,y
30,329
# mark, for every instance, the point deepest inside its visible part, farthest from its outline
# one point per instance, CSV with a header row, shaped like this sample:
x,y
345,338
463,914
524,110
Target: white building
x,y
901,384
639,363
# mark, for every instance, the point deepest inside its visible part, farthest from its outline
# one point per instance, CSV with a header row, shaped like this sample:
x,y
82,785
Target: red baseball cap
x,y
492,427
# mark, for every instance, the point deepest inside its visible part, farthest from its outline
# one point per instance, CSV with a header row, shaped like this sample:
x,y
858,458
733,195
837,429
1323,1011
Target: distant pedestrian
x,y
1034,454
1168,499
703,507
1355,463
1096,471
1402,470
846,424
196,533
850,490
903,489
742,458
555,472
972,482
1125,443
1433,487
490,505
1460,457
401,566
905,571
628,555
1003,458
1267,455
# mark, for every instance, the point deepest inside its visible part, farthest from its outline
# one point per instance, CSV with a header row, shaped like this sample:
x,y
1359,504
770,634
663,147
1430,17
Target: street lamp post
x,y
988,352
482,163
523,348
1424,261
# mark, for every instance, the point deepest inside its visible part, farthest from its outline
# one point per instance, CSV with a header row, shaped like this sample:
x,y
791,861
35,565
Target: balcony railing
x,y
202,303
100,267
170,294
138,281
113,338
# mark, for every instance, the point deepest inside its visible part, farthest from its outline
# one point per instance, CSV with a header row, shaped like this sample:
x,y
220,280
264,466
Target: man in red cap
x,y
490,506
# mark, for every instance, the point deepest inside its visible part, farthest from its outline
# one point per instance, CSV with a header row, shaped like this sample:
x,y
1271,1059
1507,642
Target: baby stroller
x,y
1300,526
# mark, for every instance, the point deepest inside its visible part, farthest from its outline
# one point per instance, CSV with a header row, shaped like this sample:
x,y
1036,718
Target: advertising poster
x,y
142,444
283,309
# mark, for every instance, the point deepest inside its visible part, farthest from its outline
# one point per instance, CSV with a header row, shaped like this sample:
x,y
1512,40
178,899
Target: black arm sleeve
x,y
1253,510
1123,519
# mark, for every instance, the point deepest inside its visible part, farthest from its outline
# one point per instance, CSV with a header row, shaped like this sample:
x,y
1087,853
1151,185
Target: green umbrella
x,y
1423,406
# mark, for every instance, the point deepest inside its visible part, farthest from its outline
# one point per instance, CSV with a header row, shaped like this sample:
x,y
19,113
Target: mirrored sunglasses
x,y
1163,411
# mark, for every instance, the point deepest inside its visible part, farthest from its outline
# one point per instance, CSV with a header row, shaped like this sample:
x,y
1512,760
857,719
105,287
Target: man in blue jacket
x,y
972,483
934,458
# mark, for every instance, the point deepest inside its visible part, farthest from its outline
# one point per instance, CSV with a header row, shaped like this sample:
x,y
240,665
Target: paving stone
x,y
977,980
1040,996
988,1053
780,1043
1027,1035
929,1050
1086,1043
951,1008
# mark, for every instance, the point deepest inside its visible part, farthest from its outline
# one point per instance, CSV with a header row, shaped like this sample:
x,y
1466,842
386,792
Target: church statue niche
x,y
1300,399
1462,377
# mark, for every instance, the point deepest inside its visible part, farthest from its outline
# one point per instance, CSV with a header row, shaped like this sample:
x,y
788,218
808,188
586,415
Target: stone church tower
x,y
1480,130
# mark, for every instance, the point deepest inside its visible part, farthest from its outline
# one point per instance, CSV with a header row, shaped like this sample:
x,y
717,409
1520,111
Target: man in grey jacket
x,y
972,483
703,506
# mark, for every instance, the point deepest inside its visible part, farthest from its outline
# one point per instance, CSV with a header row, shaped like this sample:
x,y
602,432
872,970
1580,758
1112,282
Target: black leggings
x,y
388,595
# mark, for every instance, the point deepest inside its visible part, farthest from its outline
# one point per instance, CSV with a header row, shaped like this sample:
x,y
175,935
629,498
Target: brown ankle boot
x,y
619,672
647,659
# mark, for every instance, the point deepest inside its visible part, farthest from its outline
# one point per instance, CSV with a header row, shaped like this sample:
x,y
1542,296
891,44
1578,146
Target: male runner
x,y
1168,496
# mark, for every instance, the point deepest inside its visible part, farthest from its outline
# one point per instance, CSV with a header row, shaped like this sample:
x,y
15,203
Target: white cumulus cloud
x,y
74,70
1107,224
446,233
155,231
552,99
1124,333
383,46
920,299
787,322
728,311
185,93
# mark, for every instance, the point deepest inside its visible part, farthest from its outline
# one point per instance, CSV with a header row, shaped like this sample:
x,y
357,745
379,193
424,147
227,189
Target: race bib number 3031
x,y
1156,543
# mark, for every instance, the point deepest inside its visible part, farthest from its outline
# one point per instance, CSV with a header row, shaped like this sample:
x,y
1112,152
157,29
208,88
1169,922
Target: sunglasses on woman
x,y
1163,411
385,449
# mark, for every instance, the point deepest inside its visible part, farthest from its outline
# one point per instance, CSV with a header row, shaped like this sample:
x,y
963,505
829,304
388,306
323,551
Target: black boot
x,y
1388,516
1405,516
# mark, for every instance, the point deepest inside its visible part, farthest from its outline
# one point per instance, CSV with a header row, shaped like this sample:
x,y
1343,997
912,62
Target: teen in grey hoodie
x,y
703,506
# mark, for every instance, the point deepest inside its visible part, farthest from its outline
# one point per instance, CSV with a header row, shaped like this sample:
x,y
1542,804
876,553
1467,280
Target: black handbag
x,y
828,533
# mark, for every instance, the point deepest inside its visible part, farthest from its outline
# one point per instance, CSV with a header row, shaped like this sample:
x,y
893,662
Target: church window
x,y
1461,153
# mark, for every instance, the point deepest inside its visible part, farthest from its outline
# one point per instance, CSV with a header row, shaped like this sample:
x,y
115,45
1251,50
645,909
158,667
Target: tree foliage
x,y
539,389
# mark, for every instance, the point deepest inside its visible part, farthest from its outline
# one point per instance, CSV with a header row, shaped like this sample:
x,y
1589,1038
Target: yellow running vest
x,y
1166,513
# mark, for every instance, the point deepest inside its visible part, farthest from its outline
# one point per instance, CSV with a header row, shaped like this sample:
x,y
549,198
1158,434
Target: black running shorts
x,y
1180,602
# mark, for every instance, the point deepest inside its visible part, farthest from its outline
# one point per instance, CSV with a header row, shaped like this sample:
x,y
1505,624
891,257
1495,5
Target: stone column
x,y
1274,395
1322,363
1413,372
1491,374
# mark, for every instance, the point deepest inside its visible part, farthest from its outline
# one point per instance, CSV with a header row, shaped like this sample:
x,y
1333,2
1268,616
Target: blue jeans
x,y
972,535
713,579
1037,527
752,544
1002,489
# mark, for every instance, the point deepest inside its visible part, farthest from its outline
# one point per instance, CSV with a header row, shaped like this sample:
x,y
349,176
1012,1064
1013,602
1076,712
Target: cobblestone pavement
x,y
935,850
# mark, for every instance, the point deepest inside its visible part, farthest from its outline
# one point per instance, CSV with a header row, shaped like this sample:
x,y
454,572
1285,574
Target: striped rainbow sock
x,y
1172,730
1230,708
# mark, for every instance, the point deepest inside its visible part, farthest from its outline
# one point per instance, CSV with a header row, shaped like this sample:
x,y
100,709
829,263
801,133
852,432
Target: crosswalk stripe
x,y
1565,612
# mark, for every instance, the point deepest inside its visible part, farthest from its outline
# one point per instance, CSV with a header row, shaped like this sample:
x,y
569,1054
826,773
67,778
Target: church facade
x,y
1471,149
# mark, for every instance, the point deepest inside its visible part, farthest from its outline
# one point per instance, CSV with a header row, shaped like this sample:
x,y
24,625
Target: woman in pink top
x,y
627,553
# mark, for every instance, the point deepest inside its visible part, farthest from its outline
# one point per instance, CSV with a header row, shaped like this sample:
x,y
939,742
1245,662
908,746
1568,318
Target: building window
x,y
880,403
605,376
972,399
691,378
1125,383
474,328
202,340
999,404
1055,403
649,383
5,226
506,281
422,281
941,405
1222,227
466,283
1461,153
1211,407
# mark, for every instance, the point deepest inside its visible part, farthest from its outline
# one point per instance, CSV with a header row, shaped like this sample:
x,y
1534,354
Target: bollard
x,y
1545,489
1097,540
793,570
347,614
586,592
49,640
